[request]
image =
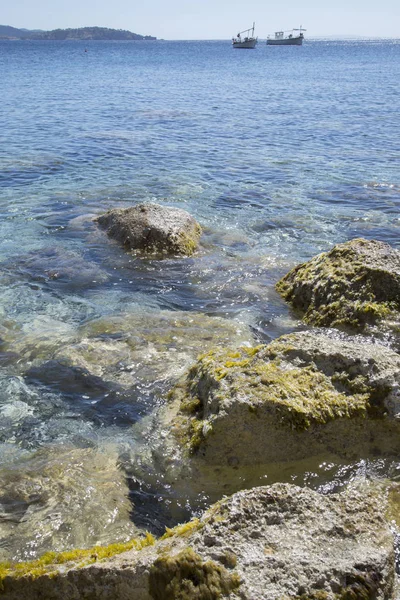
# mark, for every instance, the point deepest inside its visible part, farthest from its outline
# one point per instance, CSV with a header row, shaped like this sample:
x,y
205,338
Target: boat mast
x,y
300,30
247,30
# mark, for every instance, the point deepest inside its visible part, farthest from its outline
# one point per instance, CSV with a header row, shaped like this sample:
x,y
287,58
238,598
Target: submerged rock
x,y
153,228
53,264
304,394
40,337
267,543
63,497
124,348
148,346
355,284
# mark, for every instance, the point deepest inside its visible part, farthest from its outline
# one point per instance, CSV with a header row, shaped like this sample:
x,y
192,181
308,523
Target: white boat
x,y
287,38
248,41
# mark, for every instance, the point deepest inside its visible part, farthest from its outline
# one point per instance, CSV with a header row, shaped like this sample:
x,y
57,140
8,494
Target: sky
x,y
209,19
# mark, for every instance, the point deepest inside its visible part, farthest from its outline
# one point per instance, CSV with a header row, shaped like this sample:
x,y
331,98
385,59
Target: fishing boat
x,y
287,38
248,41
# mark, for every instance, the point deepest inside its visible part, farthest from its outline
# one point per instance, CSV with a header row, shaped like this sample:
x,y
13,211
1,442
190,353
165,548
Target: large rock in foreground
x,y
355,284
303,395
153,228
267,543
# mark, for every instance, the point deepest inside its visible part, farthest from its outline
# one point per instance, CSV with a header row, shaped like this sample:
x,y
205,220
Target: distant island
x,y
82,33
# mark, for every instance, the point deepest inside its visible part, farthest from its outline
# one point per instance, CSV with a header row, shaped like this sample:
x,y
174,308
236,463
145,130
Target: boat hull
x,y
294,41
249,44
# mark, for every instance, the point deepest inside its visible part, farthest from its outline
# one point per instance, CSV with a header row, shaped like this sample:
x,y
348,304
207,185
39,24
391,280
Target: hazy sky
x,y
209,19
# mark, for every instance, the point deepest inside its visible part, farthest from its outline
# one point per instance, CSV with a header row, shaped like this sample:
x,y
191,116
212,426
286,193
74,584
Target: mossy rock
x,y
299,396
353,285
153,229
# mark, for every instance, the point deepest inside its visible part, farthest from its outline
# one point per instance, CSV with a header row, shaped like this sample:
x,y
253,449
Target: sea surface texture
x,y
279,153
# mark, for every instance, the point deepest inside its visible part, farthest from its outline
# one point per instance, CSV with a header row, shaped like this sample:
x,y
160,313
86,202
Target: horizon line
x,y
314,37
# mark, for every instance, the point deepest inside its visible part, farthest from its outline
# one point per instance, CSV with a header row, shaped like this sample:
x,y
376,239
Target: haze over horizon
x,y
218,19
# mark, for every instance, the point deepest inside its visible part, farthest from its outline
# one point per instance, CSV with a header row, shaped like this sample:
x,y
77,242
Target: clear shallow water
x,y
279,153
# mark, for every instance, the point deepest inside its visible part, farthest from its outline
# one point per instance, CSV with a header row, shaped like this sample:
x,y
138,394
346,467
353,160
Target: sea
x,y
278,152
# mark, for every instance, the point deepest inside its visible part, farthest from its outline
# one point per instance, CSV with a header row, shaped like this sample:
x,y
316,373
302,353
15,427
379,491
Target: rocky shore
x,y
333,389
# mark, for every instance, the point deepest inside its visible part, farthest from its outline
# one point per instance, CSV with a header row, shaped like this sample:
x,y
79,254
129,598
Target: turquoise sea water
x,y
278,152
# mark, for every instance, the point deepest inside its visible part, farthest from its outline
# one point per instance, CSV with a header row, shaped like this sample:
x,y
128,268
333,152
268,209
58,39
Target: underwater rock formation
x,y
272,542
353,285
304,394
153,228
63,497
147,346
123,348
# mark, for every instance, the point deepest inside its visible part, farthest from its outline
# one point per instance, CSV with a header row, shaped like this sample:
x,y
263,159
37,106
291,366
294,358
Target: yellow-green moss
x,y
346,313
228,559
234,354
315,595
393,504
188,244
236,363
252,350
197,434
299,396
50,560
186,576
190,405
183,529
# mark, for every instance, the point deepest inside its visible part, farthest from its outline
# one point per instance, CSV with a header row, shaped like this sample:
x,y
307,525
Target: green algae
x,y
199,430
188,244
186,576
302,396
342,288
47,564
183,529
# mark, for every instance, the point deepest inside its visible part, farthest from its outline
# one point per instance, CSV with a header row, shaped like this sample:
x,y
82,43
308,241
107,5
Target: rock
x,y
63,497
355,284
148,346
303,395
268,543
153,229
123,348
53,264
40,337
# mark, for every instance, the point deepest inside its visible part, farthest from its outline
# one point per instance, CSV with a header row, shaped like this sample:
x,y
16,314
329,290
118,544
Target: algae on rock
x,y
353,285
186,576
